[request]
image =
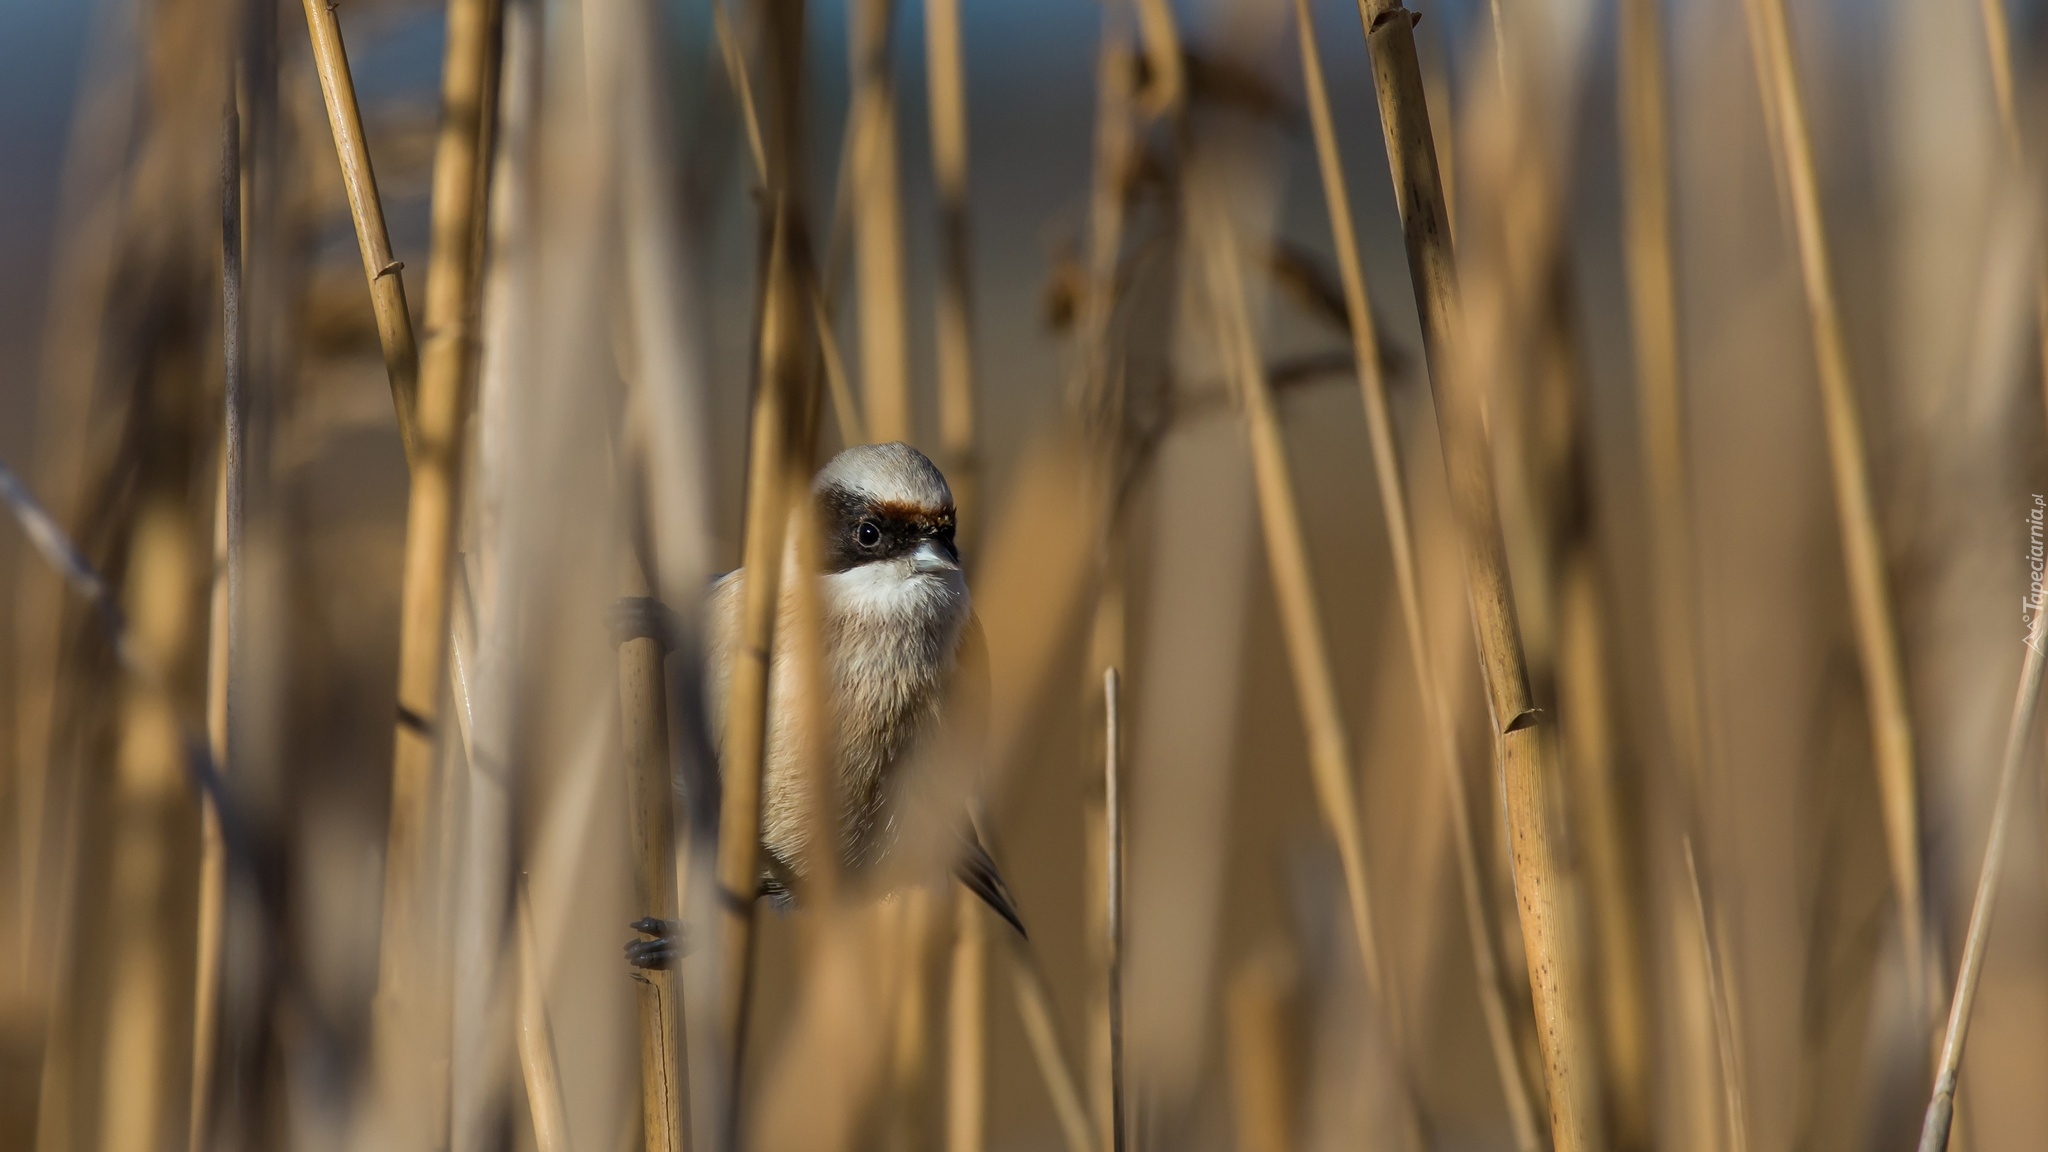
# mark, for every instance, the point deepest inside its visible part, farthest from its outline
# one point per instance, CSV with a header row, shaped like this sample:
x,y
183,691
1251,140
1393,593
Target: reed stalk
x,y
1934,1129
1523,742
1871,611
409,1035
359,181
537,1063
1166,86
946,81
1259,1088
779,454
1113,900
224,599
1727,1043
967,1030
643,716
1644,114
877,187
1331,760
1034,1008
1437,718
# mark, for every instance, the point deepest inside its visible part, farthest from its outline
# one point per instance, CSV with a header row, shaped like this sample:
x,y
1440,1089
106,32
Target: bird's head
x,y
886,507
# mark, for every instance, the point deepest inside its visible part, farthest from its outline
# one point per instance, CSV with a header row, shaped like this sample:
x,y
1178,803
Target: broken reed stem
x,y
946,82
643,716
1331,763
1166,87
225,597
1528,775
1479,921
1934,1130
537,1063
967,1030
1113,874
877,176
408,1031
1034,1008
1877,642
387,284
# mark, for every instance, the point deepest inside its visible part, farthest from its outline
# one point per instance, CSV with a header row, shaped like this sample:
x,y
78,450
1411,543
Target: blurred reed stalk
x,y
1166,86
1522,737
1331,760
410,1036
387,284
1113,892
877,188
1437,718
1720,996
225,597
1998,51
1871,611
1034,1008
1260,1085
1934,1130
946,82
650,790
1644,112
780,450
967,1030
537,1063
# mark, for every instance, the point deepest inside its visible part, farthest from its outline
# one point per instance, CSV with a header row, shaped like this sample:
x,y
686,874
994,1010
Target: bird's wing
x,y
977,869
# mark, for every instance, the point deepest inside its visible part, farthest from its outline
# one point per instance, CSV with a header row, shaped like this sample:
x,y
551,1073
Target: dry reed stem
x,y
735,60
1727,1045
643,716
387,283
1115,149
537,1064
1522,745
1113,871
409,1034
967,1030
877,186
1479,921
1998,51
845,405
1034,1008
1331,762
1260,1095
946,82
777,456
227,533
1653,311
1934,1131
1877,642
1166,87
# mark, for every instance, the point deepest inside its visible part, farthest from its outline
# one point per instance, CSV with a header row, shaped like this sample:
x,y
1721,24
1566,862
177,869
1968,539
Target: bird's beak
x,y
933,556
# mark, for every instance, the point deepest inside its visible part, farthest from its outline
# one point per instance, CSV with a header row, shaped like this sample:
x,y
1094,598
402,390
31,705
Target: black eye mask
x,y
861,531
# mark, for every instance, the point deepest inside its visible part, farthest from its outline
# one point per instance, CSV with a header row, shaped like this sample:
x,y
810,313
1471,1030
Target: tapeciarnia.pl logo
x,y
2030,608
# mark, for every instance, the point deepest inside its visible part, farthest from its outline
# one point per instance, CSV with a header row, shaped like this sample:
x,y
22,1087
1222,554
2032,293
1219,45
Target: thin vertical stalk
x,y
225,598
1034,1008
537,1062
1166,87
1521,733
1644,112
1877,642
1113,899
387,284
1331,762
1934,1130
1479,921
1727,1044
967,1031
410,1033
947,81
877,184
777,453
643,716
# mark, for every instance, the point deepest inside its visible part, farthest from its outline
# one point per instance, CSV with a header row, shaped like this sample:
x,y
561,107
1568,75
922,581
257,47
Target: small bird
x,y
897,627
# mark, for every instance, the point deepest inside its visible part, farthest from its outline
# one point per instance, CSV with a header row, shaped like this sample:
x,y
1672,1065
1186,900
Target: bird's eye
x,y
868,534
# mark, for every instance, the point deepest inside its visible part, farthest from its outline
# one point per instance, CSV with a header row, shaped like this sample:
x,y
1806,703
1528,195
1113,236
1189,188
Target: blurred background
x,y
1730,846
